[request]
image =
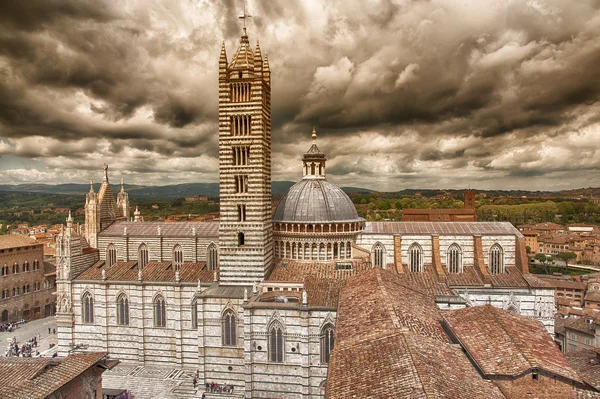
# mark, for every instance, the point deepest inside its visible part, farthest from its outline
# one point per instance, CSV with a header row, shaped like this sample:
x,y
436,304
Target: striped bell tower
x,y
245,230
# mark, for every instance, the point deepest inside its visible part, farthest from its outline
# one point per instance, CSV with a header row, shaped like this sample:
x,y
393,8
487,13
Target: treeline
x,y
374,202
538,212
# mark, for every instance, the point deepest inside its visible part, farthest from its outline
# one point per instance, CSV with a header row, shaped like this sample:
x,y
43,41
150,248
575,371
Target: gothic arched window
x,y
212,257
122,310
327,341
378,255
143,255
87,308
160,312
177,256
26,266
454,259
194,311
415,258
229,329
276,343
111,255
496,259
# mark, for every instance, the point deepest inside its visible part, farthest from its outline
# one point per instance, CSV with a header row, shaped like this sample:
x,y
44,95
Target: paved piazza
x,y
151,382
26,331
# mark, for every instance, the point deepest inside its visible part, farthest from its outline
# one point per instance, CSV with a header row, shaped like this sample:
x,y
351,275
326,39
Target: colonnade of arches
x,y
318,227
313,251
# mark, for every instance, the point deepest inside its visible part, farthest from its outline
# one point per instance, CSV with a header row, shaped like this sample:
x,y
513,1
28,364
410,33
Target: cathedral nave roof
x,y
167,229
447,228
153,271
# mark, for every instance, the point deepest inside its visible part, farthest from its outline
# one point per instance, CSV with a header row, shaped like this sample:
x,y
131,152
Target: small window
x,y
241,184
276,343
111,255
194,311
241,210
496,259
123,310
212,257
143,256
177,256
415,258
241,239
87,313
160,312
229,329
343,265
327,341
378,255
454,259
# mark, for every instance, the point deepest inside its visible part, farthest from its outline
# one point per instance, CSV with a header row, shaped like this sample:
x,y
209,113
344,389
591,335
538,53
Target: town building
x,y
531,240
252,299
26,281
467,214
75,376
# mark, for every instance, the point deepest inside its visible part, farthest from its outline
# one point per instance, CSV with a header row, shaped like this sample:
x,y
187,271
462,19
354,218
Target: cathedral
x,y
252,299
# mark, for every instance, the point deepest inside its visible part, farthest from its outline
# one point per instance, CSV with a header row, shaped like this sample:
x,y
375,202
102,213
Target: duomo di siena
x,y
252,299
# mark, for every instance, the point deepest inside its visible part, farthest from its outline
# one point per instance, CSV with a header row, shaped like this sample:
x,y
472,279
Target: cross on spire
x,y
243,17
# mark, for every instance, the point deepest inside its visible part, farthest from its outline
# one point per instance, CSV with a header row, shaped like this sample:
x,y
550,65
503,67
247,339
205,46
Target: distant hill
x,y
136,191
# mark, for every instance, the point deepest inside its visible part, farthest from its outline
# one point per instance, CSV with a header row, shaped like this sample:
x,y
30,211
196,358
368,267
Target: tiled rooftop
x,y
452,228
38,378
587,364
171,229
295,271
580,324
391,347
154,271
502,343
15,241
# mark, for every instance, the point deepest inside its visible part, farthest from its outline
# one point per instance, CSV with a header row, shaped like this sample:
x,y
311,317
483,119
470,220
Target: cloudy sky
x,y
405,94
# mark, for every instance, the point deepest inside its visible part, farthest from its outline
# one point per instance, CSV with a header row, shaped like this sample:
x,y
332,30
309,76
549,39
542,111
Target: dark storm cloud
x,y
441,91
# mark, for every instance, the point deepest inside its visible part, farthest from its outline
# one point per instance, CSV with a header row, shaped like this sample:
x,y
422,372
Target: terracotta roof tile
x,y
580,324
296,271
454,228
15,241
390,347
587,364
502,343
154,271
33,378
172,229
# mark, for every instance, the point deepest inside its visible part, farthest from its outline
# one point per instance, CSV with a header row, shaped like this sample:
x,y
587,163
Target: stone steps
x,y
213,395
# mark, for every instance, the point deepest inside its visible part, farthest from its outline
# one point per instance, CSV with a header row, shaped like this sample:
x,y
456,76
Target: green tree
x,y
566,256
544,260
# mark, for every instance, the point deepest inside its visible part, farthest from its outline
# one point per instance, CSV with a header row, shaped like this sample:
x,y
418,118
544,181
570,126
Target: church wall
x,y
174,344
194,248
508,245
466,244
215,358
424,241
368,241
301,373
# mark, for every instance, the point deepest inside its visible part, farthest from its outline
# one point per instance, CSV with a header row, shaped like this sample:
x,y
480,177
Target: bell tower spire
x,y
245,229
